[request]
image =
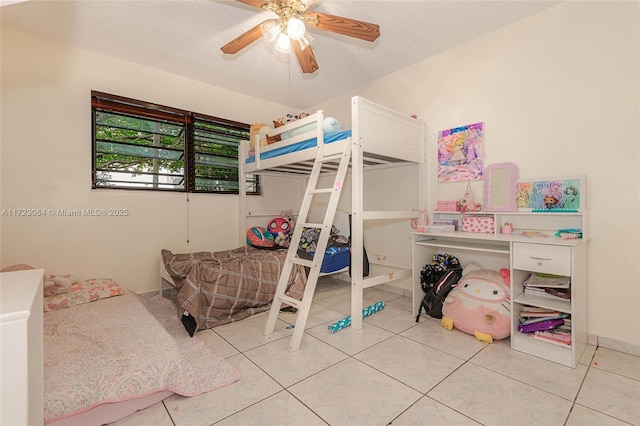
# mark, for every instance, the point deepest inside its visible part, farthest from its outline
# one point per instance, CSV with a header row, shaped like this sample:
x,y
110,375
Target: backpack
x,y
437,283
432,272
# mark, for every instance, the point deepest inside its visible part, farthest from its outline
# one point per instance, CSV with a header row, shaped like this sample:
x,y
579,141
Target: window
x,y
138,145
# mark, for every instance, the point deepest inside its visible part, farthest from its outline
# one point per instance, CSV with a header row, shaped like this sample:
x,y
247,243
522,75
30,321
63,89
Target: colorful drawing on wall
x,y
460,153
552,194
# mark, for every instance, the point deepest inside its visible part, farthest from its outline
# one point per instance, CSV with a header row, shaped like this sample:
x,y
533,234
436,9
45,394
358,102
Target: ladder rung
x,y
311,225
320,191
290,301
332,157
299,261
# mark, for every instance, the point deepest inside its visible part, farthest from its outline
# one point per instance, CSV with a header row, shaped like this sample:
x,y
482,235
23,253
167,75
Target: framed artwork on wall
x,y
460,153
556,194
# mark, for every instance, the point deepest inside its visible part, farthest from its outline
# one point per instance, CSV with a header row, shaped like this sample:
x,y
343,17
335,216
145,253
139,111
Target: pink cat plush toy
x,y
479,305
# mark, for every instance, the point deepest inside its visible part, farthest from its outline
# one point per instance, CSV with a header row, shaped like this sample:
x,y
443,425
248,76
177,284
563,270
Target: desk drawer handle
x,y
539,258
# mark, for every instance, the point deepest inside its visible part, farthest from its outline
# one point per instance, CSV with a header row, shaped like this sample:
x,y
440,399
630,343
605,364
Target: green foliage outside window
x,y
165,150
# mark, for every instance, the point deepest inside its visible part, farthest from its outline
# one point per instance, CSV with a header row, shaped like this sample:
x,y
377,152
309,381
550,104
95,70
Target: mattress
x,y
301,146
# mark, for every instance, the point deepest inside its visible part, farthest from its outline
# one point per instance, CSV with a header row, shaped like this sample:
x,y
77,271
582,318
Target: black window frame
x,y
207,141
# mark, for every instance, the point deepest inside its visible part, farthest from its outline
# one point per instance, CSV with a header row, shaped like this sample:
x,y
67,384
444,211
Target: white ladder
x,y
314,265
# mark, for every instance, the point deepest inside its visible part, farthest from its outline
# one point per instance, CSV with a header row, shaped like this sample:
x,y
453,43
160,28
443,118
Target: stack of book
x,y
546,285
547,325
447,222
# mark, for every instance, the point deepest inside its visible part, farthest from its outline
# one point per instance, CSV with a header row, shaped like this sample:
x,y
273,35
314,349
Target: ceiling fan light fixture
x,y
283,44
305,41
288,31
270,29
295,28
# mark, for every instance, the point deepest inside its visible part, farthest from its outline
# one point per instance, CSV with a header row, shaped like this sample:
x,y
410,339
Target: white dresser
x,y
21,348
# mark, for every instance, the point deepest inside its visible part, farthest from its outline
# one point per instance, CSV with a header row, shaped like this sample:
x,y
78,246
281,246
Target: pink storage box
x,y
479,224
447,206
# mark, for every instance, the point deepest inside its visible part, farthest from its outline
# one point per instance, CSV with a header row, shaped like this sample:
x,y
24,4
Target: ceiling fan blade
x,y
345,26
242,41
256,3
306,58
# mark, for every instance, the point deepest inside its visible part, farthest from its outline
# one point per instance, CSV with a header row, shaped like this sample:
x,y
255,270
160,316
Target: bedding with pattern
x,y
101,353
217,288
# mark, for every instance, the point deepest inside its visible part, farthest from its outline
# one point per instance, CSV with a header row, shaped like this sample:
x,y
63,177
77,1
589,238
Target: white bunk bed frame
x,y
380,138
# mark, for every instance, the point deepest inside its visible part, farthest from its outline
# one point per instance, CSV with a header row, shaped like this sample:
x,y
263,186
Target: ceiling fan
x,y
289,29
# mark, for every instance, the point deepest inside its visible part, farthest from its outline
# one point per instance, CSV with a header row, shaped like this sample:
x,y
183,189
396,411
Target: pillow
x,y
258,236
18,267
330,125
58,284
83,292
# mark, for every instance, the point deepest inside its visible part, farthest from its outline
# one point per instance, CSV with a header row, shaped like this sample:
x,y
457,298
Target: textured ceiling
x,y
184,37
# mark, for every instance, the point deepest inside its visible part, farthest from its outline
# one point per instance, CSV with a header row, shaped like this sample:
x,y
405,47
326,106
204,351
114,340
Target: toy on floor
x,y
346,321
479,305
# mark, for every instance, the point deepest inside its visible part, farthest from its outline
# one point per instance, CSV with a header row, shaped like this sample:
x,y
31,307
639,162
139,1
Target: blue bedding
x,y
335,258
309,143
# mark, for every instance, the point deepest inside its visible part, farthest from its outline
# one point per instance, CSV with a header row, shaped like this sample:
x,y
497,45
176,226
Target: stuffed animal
x,y
288,214
260,131
282,227
479,305
279,225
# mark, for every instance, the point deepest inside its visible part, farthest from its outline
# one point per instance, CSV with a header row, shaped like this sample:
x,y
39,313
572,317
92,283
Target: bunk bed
x,y
378,138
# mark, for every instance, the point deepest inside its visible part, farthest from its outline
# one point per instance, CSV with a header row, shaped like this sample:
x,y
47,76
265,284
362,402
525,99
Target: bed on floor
x,y
216,288
106,356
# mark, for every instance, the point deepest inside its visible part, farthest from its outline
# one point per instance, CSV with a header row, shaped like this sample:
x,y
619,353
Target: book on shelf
x,y
529,308
551,293
547,280
562,293
554,337
531,320
532,312
542,325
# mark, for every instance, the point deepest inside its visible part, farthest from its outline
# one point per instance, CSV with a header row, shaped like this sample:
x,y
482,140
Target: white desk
x,y
521,255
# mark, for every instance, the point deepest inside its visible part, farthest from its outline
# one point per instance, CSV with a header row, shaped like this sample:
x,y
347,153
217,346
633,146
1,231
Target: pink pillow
x,y
83,292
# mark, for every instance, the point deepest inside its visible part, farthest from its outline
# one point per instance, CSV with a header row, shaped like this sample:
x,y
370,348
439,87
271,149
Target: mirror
x,y
500,187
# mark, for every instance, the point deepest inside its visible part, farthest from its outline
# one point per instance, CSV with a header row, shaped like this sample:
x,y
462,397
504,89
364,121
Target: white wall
x,y
559,95
46,164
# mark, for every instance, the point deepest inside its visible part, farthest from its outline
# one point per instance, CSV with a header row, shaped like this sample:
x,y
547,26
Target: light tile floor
x,y
396,371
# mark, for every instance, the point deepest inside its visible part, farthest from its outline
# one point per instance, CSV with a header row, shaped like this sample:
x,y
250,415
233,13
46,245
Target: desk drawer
x,y
544,258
